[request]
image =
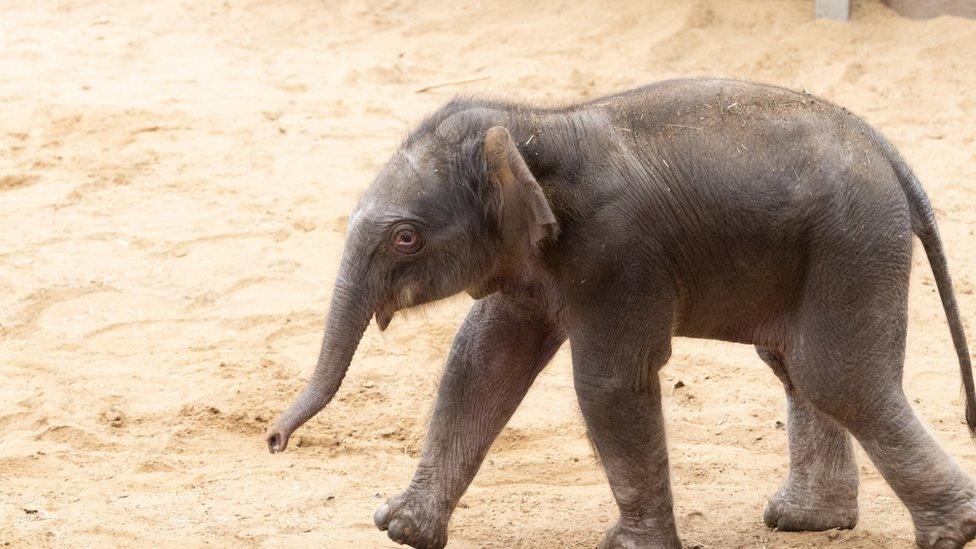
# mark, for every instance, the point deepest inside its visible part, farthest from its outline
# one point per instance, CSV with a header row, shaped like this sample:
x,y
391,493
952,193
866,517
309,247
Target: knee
x,y
614,374
607,388
598,391
603,392
832,401
851,402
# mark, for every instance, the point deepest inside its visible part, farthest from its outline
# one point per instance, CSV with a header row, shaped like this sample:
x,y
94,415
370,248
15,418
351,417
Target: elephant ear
x,y
522,210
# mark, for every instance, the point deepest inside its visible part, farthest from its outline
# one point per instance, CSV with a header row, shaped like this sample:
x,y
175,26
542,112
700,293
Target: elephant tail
x,y
925,227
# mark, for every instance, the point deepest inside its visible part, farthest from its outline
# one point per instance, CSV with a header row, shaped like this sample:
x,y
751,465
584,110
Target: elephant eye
x,y
406,240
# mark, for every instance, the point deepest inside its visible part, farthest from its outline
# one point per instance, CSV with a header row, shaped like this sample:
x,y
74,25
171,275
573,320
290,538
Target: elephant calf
x,y
699,208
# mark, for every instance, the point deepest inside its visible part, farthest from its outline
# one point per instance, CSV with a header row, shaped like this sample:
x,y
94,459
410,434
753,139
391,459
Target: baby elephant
x,y
699,208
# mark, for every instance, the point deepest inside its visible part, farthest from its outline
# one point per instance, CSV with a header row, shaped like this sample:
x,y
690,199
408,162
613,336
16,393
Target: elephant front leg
x,y
496,356
615,371
627,428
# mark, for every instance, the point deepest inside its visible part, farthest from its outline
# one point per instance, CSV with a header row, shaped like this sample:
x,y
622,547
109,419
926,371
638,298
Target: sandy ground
x,y
174,184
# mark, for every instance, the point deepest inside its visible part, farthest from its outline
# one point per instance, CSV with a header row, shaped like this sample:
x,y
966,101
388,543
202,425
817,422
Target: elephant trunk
x,y
349,315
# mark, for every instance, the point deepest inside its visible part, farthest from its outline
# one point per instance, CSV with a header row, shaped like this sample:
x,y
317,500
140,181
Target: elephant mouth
x,y
384,313
410,295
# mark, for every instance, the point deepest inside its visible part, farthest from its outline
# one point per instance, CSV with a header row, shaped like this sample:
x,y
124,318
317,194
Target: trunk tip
x,y
277,441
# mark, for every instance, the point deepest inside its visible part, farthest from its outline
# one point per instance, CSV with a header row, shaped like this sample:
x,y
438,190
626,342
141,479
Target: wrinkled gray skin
x,y
697,208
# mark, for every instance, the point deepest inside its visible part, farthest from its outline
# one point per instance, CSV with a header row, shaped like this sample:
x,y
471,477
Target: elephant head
x,y
453,210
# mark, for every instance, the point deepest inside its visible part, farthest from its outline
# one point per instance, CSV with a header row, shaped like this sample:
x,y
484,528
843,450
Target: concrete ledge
x,y
838,10
924,9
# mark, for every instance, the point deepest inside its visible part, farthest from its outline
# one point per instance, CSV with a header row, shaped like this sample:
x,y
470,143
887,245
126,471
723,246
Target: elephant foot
x,y
414,520
625,537
790,511
947,530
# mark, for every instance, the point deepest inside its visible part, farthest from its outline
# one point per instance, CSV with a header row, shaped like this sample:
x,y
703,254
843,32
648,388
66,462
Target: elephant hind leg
x,y
820,492
848,366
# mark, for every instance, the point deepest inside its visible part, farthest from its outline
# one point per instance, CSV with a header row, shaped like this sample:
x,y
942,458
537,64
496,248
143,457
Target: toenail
x,y
382,516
